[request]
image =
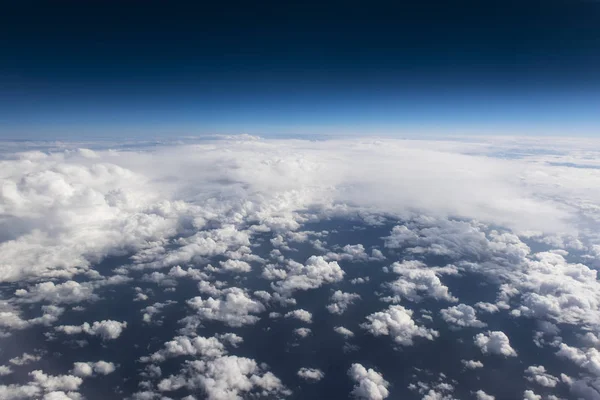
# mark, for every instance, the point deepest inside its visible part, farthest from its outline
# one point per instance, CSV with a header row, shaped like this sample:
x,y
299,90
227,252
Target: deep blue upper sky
x,y
157,68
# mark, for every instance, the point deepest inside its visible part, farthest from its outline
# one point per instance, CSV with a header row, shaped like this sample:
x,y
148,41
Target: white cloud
x,y
417,280
25,359
481,395
107,329
303,332
5,370
530,395
472,364
300,314
495,342
227,377
396,321
343,331
369,384
311,374
539,375
183,345
84,369
461,315
235,308
341,301
311,275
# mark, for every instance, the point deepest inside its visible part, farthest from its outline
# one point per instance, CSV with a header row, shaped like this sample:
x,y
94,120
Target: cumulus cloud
x,y
472,364
462,316
495,342
369,384
234,308
226,377
85,369
539,375
300,314
341,301
311,374
343,331
481,395
185,346
417,280
310,275
396,321
107,329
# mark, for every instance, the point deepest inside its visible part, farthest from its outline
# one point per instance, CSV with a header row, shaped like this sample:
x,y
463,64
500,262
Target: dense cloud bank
x,y
242,268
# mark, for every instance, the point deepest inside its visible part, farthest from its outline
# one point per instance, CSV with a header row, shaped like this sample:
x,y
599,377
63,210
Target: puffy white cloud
x,y
52,383
341,301
530,395
369,384
84,369
587,358
107,329
343,331
68,292
183,345
417,280
227,377
25,359
235,308
461,315
495,342
303,332
396,321
481,395
300,314
235,266
539,375
311,374
311,275
472,364
5,370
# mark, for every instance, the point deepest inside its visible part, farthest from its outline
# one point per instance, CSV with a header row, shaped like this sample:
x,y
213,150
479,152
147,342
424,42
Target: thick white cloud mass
x,y
481,395
495,342
417,280
518,217
227,377
369,384
397,322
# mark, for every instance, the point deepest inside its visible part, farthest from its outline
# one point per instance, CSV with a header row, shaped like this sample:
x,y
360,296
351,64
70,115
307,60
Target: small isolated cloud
x,y
347,333
107,329
462,316
472,364
310,275
495,342
368,384
85,369
311,374
341,301
302,332
300,314
396,321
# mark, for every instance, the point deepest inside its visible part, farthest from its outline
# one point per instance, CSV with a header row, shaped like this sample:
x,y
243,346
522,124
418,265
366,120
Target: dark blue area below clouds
x,y
273,341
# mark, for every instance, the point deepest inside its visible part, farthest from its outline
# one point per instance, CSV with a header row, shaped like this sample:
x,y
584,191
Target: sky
x,y
93,69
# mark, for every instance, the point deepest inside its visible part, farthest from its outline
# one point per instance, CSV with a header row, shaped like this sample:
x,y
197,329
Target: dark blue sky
x,y
71,68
